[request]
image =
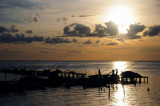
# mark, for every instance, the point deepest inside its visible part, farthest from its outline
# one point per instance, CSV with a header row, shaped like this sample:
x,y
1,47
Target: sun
x,y
120,66
122,15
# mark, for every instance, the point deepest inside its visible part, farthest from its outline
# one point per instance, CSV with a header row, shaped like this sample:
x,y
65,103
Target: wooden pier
x,y
132,77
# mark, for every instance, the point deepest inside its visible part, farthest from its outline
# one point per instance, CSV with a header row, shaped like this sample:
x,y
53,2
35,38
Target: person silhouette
x,y
148,89
99,72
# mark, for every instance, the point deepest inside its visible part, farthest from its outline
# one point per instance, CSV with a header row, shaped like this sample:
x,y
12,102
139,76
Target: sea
x,y
119,95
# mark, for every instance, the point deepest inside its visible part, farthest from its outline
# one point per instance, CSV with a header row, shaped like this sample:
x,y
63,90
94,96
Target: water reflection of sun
x,y
120,95
120,65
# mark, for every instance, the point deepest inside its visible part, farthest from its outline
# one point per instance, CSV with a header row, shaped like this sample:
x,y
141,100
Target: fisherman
x,y
99,72
116,71
113,72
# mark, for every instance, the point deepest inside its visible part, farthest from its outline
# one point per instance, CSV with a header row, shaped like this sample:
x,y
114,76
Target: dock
x,y
132,77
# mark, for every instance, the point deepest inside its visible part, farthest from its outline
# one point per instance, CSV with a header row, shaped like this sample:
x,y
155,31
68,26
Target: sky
x,y
113,30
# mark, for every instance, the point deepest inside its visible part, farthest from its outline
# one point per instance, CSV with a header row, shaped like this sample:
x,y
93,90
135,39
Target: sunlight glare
x,y
120,65
122,15
120,95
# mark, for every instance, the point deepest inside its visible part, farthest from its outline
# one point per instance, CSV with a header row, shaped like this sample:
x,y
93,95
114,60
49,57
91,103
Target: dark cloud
x,y
58,40
112,28
100,30
133,37
13,29
74,40
29,31
134,29
152,31
2,29
87,42
18,38
98,41
18,3
82,16
35,19
76,29
80,30
32,17
112,44
85,15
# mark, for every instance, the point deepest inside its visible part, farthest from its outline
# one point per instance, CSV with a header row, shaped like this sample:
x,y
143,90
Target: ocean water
x,y
120,95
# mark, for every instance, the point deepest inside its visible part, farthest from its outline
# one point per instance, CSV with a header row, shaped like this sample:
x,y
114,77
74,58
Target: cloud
x,y
134,29
133,37
41,7
112,44
75,40
87,42
80,30
63,19
73,16
3,29
59,19
10,37
152,31
85,15
13,29
112,28
100,30
18,38
98,41
76,29
29,32
27,4
35,19
55,40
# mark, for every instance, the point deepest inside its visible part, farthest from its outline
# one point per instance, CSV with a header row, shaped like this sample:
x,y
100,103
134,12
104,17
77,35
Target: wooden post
x,y
69,75
5,76
147,79
77,76
64,74
131,80
139,79
144,79
122,80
